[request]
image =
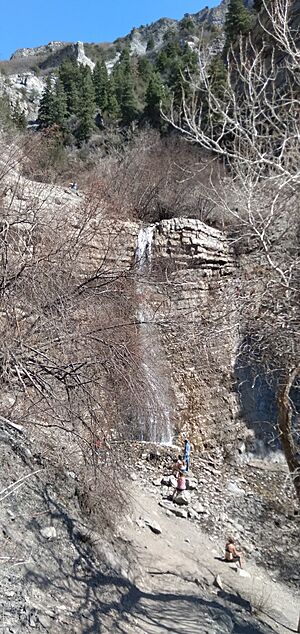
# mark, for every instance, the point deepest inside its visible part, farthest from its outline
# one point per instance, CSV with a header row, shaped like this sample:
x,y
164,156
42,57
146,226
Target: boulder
x,y
232,487
243,573
181,513
193,515
45,622
49,532
218,582
199,508
165,504
156,482
191,483
169,481
183,498
154,526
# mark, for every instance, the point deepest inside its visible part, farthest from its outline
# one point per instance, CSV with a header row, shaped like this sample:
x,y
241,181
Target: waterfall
x,y
144,245
155,423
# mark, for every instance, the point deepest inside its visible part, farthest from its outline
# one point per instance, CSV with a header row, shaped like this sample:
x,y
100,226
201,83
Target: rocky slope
x,y
158,572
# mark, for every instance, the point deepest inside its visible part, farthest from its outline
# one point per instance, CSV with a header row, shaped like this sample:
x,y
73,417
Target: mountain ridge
x,y
209,15
23,77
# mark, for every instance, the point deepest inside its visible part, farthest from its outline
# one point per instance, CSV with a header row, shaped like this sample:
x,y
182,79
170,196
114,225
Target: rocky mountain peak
x,y
24,75
45,49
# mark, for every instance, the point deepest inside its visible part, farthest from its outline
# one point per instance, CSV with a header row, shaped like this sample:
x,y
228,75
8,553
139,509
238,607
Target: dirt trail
x,y
174,575
82,581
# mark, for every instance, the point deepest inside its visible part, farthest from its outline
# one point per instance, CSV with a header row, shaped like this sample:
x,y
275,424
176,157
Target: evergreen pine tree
x,y
187,25
145,69
218,81
162,61
125,89
18,117
117,78
60,105
86,107
218,76
176,82
238,21
124,61
113,109
150,43
69,75
154,96
100,79
46,114
189,60
129,109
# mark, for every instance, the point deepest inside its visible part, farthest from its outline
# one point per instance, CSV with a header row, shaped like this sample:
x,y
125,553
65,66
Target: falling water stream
x,y
155,424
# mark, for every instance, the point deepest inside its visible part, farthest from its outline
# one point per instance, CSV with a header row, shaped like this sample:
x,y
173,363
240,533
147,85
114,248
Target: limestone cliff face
x,y
193,264
192,244
178,273
45,49
180,269
26,87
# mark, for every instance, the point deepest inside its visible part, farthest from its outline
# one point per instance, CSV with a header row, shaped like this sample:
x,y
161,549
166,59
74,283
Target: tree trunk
x,y
284,422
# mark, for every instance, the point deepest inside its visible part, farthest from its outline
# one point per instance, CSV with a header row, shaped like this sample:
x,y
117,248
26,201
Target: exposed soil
x,y
74,579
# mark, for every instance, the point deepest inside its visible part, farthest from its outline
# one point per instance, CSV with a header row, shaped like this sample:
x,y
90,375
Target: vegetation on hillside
x,y
81,102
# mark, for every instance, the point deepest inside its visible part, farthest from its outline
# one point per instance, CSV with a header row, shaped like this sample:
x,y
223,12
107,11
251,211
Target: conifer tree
x,y
46,114
124,61
100,79
154,96
217,72
176,81
238,21
69,75
162,61
150,43
189,60
218,81
18,117
145,69
113,108
60,105
86,107
125,90
129,108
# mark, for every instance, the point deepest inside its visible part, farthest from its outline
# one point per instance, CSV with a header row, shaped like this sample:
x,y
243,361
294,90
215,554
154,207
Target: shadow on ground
x,y
99,600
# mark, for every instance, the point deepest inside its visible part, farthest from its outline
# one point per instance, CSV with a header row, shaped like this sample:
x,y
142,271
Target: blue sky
x,y
34,22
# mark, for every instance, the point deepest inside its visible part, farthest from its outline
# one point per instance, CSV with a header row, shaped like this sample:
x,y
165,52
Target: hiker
x,y
74,187
177,465
101,444
231,552
187,453
181,483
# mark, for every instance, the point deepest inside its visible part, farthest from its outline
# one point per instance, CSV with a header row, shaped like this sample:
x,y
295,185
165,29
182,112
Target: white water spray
x,y
155,425
144,245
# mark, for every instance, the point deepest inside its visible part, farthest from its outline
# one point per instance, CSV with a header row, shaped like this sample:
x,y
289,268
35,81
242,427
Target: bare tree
x,y
69,357
254,127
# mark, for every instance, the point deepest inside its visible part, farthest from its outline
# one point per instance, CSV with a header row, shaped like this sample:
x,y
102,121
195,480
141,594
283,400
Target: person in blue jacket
x,y
187,453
